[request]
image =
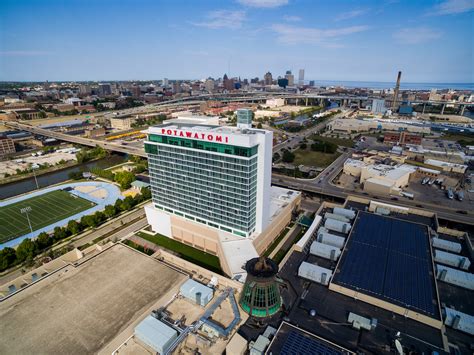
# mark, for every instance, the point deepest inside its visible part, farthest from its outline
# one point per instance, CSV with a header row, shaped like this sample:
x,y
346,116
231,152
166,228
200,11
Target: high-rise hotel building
x,y
209,182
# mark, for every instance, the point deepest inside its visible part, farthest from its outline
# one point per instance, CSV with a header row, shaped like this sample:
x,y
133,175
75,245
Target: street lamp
x,y
25,210
33,167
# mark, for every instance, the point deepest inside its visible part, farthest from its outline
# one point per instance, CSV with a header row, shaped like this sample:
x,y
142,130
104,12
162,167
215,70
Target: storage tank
x,y
325,251
344,212
337,226
455,277
331,239
446,245
455,260
314,273
336,217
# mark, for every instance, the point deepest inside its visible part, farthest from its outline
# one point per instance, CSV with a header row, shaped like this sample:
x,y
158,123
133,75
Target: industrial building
x,y
7,146
211,188
402,138
351,127
380,178
121,123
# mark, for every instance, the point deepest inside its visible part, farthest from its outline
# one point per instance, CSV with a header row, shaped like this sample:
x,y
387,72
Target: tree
x,y
25,249
259,125
7,258
288,157
146,193
43,241
60,233
303,146
124,179
110,211
128,203
42,114
276,156
73,227
75,175
89,220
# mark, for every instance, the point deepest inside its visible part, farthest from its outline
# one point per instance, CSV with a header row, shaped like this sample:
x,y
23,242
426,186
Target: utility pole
x,y
25,210
36,180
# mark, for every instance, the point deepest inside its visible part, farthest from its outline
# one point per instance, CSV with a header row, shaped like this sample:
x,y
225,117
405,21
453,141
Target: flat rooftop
x,y
291,340
81,309
206,128
390,259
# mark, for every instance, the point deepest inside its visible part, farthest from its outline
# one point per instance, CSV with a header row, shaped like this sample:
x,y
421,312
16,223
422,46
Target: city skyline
x,y
151,40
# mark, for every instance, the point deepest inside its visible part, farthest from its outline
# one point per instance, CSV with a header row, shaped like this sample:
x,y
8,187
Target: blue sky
x,y
430,41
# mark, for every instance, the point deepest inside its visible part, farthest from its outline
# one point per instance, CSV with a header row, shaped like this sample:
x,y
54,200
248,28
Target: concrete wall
x,y
263,241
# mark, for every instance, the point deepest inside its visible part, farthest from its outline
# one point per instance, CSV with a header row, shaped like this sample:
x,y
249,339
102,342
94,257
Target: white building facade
x,y
216,176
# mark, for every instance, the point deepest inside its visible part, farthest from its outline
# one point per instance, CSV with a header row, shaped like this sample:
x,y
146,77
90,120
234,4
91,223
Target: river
x,y
55,177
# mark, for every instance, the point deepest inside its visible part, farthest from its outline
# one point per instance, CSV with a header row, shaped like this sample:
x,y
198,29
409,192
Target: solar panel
x,y
297,343
389,258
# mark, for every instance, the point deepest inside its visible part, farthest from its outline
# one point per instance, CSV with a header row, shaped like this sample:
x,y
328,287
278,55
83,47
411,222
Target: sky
x,y
429,41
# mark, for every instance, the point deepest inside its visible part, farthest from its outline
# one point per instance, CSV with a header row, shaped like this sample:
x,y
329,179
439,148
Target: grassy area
x,y
46,209
196,256
310,158
276,242
462,139
137,247
339,141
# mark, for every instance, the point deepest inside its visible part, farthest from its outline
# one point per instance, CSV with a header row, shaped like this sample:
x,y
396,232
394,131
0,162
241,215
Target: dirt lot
x,y
79,310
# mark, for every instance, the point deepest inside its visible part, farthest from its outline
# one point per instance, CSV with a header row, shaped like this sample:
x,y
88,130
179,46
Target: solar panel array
x,y
297,343
390,259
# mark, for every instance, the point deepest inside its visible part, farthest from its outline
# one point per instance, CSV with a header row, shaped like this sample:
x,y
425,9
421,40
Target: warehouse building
x,y
211,188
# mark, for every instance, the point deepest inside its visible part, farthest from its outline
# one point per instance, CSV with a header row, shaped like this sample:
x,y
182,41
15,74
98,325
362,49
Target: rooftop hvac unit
x,y
344,212
331,239
337,217
337,226
455,277
460,321
455,260
446,245
325,251
314,273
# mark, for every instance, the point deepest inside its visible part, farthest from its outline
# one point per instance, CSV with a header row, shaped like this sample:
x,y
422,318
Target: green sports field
x,y
45,210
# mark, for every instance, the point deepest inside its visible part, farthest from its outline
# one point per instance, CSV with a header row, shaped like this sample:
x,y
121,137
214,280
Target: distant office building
x,y
84,89
290,77
378,106
6,146
121,123
210,85
136,91
244,118
228,83
165,82
311,83
105,89
176,87
254,81
301,77
283,82
268,78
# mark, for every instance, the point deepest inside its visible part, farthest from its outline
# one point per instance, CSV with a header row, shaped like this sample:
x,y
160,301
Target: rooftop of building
x,y
84,306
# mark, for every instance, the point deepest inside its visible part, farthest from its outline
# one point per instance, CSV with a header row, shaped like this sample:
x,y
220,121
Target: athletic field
x,y
45,210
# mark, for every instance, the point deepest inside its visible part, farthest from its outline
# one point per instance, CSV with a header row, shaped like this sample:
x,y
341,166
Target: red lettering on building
x,y
195,135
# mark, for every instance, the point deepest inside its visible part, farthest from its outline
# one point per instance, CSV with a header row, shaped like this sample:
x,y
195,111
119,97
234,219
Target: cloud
x,y
351,14
24,53
416,35
263,3
289,18
223,19
293,35
452,7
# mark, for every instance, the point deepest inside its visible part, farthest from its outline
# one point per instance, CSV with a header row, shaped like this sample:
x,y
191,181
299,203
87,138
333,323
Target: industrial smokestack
x,y
395,94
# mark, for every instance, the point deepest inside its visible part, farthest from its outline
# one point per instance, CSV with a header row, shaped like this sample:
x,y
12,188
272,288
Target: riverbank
x,y
38,172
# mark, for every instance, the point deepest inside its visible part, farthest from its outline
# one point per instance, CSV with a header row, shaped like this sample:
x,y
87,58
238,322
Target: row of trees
x,y
123,178
86,155
28,249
